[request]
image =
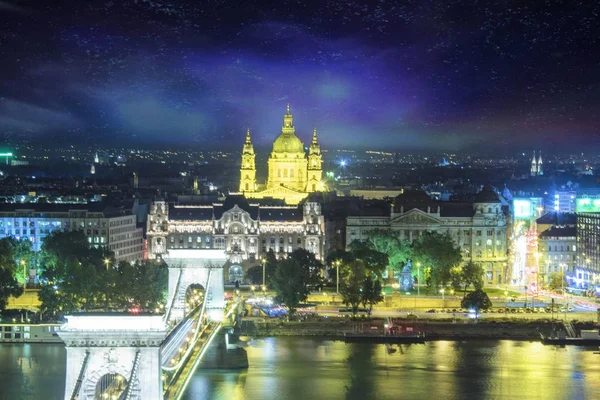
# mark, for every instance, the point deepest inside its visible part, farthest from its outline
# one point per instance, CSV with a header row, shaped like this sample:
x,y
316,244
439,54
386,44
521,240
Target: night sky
x,y
379,74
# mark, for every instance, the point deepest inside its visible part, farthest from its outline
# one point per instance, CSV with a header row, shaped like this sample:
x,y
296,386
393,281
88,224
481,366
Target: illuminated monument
x,y
292,173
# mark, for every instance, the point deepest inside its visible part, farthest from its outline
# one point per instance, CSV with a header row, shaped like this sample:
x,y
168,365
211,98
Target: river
x,y
297,368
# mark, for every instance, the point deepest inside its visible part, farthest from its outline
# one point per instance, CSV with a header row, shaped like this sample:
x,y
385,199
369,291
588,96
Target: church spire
x,y
534,169
540,166
314,139
288,120
248,140
248,166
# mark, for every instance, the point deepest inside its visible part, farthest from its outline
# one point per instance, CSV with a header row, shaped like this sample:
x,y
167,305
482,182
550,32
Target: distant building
x,y
558,251
246,231
537,166
292,173
105,227
376,193
588,241
478,228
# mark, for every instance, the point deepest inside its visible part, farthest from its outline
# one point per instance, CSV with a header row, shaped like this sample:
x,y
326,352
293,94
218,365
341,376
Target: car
x,y
432,311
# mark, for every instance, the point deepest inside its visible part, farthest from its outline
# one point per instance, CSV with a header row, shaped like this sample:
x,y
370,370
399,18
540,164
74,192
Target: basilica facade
x,y
246,231
292,173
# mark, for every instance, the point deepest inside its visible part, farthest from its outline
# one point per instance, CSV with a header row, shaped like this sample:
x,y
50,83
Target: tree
x,y
375,261
15,256
142,284
472,275
308,260
354,274
254,275
440,253
476,300
388,243
290,283
8,287
77,277
557,281
371,293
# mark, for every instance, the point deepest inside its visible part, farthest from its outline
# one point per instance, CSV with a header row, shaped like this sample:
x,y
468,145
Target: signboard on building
x,y
587,205
522,208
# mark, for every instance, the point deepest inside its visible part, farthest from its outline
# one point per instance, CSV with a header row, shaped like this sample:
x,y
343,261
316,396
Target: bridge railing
x,y
199,330
77,387
172,299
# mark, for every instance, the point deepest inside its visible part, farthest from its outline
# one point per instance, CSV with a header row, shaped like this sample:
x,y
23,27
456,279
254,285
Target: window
x,y
189,239
489,210
290,239
478,233
490,233
198,239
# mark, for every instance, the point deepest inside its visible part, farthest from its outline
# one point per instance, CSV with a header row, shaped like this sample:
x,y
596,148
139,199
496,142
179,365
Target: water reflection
x,y
295,368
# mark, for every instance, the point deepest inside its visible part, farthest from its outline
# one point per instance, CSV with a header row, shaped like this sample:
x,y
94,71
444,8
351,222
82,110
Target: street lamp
x,y
418,279
106,262
337,273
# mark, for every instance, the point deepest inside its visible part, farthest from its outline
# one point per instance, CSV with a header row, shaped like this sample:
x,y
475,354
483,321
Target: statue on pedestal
x,y
406,278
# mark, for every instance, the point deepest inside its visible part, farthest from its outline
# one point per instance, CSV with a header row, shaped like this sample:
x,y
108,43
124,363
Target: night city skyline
x,y
419,75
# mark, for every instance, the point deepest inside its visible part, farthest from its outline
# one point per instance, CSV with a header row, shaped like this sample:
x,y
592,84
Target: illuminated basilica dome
x,y
288,144
292,173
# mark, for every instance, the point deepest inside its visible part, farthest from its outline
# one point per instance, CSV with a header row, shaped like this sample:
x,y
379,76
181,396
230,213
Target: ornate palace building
x,y
478,228
292,173
244,230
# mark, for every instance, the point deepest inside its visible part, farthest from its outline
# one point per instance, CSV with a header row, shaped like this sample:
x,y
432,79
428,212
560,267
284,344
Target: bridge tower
x,y
195,266
113,355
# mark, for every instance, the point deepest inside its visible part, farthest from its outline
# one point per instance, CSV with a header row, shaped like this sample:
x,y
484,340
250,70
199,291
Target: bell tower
x,y
534,169
315,170
248,167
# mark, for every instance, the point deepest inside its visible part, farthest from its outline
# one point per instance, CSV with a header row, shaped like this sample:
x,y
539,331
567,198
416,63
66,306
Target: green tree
x,y
309,261
8,287
373,260
17,256
557,281
254,275
371,293
290,283
387,242
440,253
476,300
352,276
472,275
142,284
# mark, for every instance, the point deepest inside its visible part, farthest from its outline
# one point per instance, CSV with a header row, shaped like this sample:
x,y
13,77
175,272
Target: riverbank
x,y
330,328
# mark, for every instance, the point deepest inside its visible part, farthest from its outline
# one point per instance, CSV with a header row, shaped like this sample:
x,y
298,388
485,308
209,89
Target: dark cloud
x,y
412,74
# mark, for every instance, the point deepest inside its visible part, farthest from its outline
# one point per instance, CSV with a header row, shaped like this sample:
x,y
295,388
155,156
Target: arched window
x,y
285,172
291,173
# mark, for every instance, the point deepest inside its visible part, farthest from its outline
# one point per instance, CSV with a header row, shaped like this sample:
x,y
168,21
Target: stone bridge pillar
x,y
191,266
108,353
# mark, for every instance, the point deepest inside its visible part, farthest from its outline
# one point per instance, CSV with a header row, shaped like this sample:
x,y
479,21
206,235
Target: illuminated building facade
x,y
537,165
105,227
244,230
558,251
293,173
588,241
478,228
